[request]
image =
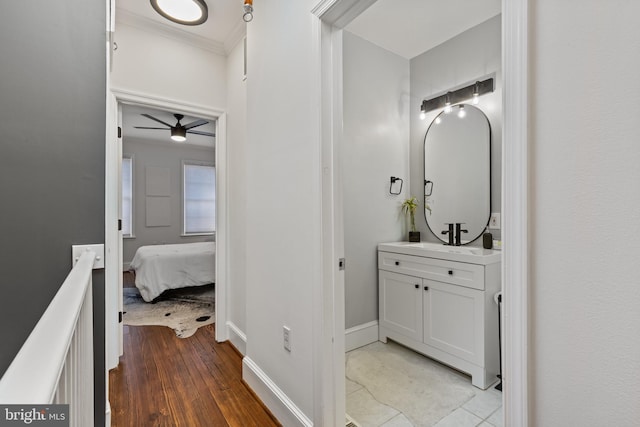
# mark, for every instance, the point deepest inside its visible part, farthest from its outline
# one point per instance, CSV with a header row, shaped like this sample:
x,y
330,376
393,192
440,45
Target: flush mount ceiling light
x,y
185,12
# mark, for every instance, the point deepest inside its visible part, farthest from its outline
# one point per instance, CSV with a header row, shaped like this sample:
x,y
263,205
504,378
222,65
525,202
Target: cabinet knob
x,y
397,262
417,286
426,288
450,272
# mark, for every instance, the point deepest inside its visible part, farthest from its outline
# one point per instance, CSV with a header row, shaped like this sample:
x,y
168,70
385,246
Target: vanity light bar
x,y
468,92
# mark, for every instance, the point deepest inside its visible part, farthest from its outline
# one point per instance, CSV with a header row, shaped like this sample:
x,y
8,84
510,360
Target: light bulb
x,y
462,112
178,138
447,103
476,93
423,115
438,120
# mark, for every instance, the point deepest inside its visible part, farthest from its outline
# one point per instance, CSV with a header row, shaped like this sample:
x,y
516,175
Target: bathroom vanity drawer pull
x,y
426,288
450,272
397,262
417,286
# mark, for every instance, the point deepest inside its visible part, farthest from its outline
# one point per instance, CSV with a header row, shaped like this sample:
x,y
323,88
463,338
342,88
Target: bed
x,y
161,267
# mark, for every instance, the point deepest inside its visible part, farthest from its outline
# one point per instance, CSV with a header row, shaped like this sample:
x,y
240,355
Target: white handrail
x,y
34,376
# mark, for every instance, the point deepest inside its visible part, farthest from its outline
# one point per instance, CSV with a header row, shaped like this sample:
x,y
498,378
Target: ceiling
x,y
391,24
225,18
131,116
405,27
411,27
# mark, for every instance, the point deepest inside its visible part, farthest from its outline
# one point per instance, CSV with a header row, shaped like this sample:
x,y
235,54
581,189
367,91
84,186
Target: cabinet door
x,y
400,304
454,319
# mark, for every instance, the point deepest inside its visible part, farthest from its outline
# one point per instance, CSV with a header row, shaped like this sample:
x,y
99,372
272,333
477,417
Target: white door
x,y
453,319
120,250
400,303
113,236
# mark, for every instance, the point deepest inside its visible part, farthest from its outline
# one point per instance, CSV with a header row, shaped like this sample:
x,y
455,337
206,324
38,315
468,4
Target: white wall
x,y
474,54
151,63
236,159
169,156
374,148
283,228
584,213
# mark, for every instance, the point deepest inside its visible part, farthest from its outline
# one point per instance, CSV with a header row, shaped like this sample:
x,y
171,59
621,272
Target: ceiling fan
x,y
179,131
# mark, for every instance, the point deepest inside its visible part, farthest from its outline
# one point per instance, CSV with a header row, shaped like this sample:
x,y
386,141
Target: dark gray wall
x,y
52,126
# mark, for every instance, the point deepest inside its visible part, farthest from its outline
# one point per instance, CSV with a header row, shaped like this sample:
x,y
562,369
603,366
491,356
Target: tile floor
x,y
376,399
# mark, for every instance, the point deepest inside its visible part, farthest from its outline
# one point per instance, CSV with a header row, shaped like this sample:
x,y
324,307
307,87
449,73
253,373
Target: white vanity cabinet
x,y
438,300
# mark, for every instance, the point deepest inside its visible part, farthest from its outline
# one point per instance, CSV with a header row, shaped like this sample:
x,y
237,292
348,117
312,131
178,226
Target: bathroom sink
x,y
472,255
450,249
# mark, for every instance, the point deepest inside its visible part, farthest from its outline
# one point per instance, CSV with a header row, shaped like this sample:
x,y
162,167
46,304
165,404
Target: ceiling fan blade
x,y
196,123
148,116
144,127
197,132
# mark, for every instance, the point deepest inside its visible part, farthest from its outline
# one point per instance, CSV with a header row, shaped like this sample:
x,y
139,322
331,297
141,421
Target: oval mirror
x,y
457,172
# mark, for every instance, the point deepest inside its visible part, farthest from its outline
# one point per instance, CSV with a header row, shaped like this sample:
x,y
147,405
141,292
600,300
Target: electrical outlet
x,y
286,335
494,222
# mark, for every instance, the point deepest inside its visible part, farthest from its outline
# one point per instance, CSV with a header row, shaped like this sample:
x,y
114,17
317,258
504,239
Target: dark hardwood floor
x,y
163,380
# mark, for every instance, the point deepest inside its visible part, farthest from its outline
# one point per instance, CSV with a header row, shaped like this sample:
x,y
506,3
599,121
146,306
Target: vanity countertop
x,y
471,255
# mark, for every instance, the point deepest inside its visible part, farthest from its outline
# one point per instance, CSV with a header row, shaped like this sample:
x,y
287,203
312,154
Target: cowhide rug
x,y
183,310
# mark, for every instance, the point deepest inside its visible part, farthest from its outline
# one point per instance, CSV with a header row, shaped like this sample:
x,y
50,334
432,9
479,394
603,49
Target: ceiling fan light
x,y
179,134
185,12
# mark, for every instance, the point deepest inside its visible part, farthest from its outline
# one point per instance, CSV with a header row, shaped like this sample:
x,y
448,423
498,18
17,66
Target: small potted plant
x,y
409,207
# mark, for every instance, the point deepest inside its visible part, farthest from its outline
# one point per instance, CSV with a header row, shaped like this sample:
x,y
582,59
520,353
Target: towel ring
x,y
393,181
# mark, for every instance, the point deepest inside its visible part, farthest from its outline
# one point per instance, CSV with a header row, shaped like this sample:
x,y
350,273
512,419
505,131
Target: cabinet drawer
x,y
457,273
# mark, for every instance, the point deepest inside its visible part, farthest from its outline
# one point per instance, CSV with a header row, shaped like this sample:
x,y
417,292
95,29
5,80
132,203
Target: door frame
x,y
332,16
114,260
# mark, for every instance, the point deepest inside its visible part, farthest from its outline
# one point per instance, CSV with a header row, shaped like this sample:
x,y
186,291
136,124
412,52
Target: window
x,y
199,200
127,196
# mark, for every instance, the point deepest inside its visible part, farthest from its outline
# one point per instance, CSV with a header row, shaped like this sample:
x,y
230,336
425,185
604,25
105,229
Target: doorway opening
x,y
138,104
168,219
334,16
452,321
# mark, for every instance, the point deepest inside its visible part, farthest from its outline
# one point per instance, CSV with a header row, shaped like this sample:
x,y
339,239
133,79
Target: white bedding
x,y
162,267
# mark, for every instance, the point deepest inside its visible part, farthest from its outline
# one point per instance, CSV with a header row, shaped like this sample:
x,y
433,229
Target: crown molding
x,y
125,17
340,12
236,35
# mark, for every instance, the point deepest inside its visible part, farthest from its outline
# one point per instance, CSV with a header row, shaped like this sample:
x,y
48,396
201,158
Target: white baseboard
x,y
237,337
275,399
360,335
